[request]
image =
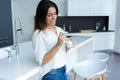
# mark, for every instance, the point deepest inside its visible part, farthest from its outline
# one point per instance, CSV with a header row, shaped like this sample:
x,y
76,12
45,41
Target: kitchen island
x,y
24,65
84,47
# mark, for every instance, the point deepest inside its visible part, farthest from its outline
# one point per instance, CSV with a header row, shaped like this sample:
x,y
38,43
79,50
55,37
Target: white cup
x,y
69,43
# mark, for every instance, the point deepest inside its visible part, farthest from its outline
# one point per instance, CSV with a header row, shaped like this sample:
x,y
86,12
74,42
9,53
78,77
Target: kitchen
x,y
23,19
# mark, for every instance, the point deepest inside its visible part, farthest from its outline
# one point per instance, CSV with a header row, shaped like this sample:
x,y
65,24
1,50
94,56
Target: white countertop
x,y
80,40
24,65
19,67
77,34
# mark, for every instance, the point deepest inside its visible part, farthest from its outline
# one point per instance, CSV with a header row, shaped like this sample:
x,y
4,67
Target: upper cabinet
x,y
93,8
100,7
78,7
89,7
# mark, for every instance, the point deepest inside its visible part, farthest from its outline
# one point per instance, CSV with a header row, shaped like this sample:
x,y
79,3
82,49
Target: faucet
x,y
16,47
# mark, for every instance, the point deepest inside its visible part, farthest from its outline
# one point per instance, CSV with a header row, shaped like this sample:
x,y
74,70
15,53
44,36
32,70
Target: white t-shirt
x,y
43,42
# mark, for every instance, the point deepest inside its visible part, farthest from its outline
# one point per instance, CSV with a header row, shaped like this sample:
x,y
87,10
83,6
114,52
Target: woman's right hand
x,y
61,39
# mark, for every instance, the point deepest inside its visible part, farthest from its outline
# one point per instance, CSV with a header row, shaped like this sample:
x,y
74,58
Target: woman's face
x,y
51,17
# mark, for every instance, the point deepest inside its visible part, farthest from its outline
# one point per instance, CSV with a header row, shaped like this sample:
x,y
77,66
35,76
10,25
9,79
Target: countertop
x,y
19,67
84,34
92,31
24,65
80,40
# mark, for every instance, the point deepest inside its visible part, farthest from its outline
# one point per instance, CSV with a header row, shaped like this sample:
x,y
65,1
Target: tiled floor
x,y
114,67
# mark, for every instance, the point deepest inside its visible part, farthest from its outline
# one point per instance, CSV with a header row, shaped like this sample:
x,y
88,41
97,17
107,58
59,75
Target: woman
x,y
49,42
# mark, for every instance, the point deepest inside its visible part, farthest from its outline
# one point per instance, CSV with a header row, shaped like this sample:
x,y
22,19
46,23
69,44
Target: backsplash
x,y
77,23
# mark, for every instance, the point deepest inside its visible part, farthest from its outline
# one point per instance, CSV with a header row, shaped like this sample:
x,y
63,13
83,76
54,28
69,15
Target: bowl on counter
x,y
87,31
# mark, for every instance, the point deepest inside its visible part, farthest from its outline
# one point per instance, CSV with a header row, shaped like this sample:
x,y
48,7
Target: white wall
x,y
117,31
112,16
62,6
25,10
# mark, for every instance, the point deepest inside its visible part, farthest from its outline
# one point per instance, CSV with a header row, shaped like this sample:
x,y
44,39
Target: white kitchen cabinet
x,y
102,40
100,7
78,7
93,8
89,7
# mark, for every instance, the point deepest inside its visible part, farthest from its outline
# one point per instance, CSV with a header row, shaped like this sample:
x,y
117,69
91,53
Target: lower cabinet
x,y
102,40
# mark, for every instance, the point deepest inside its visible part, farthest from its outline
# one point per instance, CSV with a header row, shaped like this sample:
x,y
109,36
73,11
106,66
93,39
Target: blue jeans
x,y
56,74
